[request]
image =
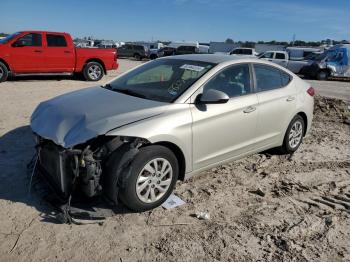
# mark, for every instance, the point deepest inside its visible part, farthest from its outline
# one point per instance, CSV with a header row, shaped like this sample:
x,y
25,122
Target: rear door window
x,y
139,47
247,52
280,56
56,40
270,78
181,48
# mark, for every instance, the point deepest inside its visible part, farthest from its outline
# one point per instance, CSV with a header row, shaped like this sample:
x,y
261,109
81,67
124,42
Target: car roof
x,y
211,58
39,32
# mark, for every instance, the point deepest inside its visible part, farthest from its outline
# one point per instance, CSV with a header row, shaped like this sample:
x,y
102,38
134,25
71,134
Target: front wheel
x,y
294,135
3,72
93,71
150,179
137,57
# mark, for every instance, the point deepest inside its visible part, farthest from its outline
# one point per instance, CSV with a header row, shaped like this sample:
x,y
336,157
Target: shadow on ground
x,y
16,151
28,78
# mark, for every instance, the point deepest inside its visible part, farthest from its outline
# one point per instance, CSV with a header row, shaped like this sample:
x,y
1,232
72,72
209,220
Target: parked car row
x,y
141,51
333,62
39,52
282,58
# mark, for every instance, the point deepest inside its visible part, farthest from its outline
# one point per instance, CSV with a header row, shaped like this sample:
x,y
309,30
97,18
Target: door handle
x,y
67,52
38,51
290,98
249,109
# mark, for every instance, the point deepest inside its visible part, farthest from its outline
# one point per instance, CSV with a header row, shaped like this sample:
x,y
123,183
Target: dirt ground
x,y
266,207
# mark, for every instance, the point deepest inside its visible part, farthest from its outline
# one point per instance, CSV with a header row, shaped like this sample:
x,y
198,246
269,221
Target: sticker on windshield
x,y
192,67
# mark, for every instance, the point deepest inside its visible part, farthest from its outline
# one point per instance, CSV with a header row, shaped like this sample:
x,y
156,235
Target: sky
x,y
177,20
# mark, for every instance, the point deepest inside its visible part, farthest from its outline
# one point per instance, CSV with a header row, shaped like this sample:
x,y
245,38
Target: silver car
x,y
168,120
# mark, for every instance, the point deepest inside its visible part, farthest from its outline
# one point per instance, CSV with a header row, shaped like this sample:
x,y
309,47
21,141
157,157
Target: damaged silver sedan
x,y
167,120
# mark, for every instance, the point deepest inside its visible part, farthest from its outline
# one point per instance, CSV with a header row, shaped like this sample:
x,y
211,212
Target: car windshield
x,y
8,38
162,80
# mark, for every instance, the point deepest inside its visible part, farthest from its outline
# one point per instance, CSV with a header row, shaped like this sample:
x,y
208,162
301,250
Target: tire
x,y
289,146
153,56
137,57
322,75
93,71
132,178
4,73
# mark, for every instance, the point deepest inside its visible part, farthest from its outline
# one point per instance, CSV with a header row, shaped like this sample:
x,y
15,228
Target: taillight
x,y
311,91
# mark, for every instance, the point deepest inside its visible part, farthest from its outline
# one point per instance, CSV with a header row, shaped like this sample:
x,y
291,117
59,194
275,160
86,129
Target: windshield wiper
x,y
129,92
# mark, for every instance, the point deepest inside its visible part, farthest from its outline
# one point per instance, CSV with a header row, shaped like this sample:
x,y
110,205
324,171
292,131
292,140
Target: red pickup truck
x,y
50,53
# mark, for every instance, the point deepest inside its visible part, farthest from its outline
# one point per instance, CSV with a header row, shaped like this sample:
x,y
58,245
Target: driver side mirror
x,y
19,43
213,96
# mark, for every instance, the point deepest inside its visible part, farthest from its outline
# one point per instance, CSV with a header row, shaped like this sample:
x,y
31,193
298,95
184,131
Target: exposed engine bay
x,y
84,167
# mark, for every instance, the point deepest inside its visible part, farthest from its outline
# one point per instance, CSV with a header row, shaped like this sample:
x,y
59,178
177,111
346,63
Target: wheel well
x,y
6,64
135,54
304,117
98,61
179,155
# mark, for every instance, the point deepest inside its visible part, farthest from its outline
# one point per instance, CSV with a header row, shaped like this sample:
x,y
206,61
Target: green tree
x,y
229,41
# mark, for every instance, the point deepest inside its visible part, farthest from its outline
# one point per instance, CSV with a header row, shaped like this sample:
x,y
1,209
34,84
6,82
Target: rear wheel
x,y
3,72
153,56
294,135
137,57
93,71
322,75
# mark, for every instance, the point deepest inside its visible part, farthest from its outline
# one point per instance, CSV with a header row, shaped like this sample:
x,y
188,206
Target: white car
x,y
244,51
282,58
167,120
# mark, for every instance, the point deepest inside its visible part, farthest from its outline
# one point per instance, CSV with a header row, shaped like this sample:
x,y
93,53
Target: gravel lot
x,y
264,207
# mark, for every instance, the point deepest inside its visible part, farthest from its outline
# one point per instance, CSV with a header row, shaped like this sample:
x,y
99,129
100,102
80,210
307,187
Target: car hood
x,y
76,117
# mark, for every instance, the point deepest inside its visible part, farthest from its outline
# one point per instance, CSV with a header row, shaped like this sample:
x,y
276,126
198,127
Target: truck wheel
x,y
148,180
93,71
137,57
4,73
322,75
153,56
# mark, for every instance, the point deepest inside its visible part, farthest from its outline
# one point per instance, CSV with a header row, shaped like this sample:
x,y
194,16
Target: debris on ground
x,y
258,192
172,202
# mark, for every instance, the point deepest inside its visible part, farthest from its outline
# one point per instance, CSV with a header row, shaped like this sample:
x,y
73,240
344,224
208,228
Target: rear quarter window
x,y
270,78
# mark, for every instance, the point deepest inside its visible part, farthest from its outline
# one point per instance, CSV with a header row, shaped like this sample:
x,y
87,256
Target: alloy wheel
x,y
94,72
295,134
154,180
